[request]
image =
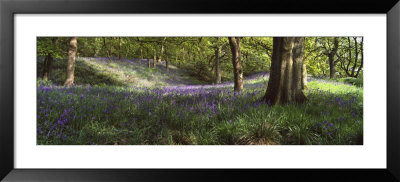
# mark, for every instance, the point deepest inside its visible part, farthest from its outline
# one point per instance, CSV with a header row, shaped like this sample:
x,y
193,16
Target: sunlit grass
x,y
212,115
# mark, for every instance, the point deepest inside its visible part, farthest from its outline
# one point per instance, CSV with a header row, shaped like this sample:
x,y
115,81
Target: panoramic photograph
x,y
199,90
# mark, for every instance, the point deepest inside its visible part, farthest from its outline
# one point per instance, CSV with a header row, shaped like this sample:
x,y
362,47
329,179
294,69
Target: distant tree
x,y
155,57
119,48
284,85
217,62
166,59
107,50
234,43
148,57
328,46
351,56
73,46
217,65
47,47
162,49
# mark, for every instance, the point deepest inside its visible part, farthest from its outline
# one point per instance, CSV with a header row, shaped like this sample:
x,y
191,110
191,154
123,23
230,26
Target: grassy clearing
x,y
102,72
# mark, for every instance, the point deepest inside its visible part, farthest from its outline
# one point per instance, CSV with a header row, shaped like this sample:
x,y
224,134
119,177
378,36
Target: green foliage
x,y
354,81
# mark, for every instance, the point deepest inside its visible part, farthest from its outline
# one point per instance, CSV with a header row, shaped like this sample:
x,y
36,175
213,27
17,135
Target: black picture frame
x,y
9,8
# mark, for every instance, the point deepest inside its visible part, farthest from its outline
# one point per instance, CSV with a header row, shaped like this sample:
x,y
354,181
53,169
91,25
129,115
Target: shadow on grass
x,y
84,74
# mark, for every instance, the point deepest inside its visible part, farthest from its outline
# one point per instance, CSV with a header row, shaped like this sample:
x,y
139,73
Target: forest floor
x,y
126,103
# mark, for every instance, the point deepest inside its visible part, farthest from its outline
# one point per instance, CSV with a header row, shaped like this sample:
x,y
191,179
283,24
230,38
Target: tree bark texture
x,y
47,66
331,57
161,50
105,47
73,47
234,43
217,65
48,61
286,75
166,59
155,58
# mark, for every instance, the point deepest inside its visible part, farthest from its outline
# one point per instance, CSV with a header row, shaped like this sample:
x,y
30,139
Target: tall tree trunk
x,y
176,57
284,85
161,50
148,59
105,47
356,58
234,43
155,58
48,61
119,48
141,53
362,56
304,76
331,57
217,65
73,47
47,66
96,51
348,64
166,59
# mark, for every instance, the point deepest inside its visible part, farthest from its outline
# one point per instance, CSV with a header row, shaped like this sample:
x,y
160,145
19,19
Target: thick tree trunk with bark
x,y
234,43
331,58
73,47
286,75
217,65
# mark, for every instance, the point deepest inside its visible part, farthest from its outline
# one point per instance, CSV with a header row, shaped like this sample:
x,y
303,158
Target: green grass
x,y
118,115
90,71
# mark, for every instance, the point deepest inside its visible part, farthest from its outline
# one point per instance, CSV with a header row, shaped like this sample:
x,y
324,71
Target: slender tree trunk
x,y
127,51
331,57
47,66
348,64
362,56
141,53
105,47
284,85
217,65
176,56
155,58
96,51
161,50
148,59
356,58
119,48
166,59
73,47
234,43
48,61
